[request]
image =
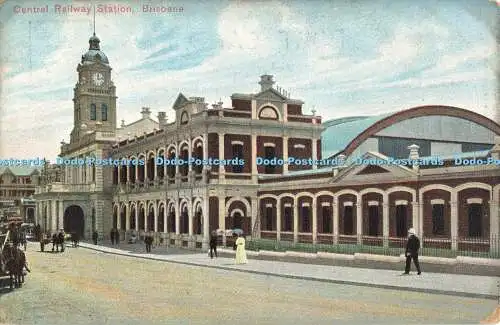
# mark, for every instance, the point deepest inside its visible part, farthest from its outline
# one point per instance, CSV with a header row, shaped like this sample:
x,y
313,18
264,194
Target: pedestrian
x,y
60,239
112,235
54,241
241,254
213,244
411,253
148,241
95,235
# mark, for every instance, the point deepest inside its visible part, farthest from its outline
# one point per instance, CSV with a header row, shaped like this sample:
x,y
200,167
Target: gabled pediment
x,y
7,171
270,94
372,169
373,166
180,101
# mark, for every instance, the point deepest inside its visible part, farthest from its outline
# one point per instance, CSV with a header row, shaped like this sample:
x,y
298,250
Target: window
x,y
348,220
401,221
93,112
288,220
269,218
269,153
438,219
373,220
327,219
237,153
104,112
475,220
306,224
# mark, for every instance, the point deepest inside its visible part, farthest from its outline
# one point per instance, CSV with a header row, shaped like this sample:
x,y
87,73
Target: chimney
x,y
341,160
414,155
495,151
266,82
145,112
162,119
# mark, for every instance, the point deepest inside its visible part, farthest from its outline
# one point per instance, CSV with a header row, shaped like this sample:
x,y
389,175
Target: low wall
x,y
373,257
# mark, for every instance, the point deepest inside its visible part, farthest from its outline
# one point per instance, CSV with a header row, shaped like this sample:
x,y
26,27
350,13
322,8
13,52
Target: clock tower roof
x,y
94,54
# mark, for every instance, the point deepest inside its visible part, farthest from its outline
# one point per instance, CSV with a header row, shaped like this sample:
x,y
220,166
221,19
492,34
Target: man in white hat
x,y
412,247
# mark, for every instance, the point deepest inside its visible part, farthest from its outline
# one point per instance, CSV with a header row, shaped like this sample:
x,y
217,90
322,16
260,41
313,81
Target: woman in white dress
x,y
241,254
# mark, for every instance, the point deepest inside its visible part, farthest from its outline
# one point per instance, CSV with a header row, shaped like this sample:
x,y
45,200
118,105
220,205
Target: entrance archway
x,y
74,220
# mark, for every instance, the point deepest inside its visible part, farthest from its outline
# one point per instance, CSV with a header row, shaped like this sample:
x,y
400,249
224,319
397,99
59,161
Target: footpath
x,y
486,287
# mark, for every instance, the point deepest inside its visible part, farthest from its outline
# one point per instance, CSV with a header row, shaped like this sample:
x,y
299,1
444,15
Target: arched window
x,y
184,118
93,112
104,112
268,113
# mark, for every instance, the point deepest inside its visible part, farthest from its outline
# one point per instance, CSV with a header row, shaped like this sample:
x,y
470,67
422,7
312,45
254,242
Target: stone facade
x,y
183,203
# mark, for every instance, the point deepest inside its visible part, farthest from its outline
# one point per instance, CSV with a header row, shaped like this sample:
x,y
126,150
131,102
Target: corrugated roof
x,y
340,132
474,154
20,170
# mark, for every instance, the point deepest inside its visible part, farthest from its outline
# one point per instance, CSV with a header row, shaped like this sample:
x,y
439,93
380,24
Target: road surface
x,y
81,286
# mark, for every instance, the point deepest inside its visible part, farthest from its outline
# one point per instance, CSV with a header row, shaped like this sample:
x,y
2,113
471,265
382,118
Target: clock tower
x,y
94,98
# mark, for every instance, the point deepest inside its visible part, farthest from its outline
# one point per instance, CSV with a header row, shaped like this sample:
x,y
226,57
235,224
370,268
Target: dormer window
x,y
268,113
184,118
93,112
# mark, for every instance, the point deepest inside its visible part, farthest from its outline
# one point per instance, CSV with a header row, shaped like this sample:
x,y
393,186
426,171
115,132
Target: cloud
x,y
371,65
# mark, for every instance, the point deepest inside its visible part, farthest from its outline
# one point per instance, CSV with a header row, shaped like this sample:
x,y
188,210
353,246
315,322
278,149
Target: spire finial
x,y
94,20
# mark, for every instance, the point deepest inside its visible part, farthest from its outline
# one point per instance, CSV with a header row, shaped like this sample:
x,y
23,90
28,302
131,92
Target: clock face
x,y
98,79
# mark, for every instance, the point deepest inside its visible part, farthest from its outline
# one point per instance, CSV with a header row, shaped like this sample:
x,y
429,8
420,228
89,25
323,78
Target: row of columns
x,y
50,214
167,208
417,218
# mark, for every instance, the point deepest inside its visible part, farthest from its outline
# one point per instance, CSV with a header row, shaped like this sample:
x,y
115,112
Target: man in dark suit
x,y
412,247
213,244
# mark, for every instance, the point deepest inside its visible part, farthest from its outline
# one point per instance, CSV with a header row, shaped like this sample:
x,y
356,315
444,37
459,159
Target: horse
x,y
13,261
75,239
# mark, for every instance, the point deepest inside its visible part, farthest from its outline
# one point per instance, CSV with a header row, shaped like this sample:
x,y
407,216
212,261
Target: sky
x,y
342,58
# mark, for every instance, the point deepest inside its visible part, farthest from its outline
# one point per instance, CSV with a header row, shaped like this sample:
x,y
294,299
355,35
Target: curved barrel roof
x,y
347,133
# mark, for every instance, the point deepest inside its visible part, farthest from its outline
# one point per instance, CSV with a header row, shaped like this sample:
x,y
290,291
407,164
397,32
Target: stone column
x,y
454,220
253,154
285,155
421,205
295,219
155,209
285,112
118,215
165,218
177,217
335,211
359,219
314,152
222,216
255,214
415,217
127,217
385,219
190,218
494,227
53,224
190,155
146,216
137,218
61,215
278,219
206,222
38,213
314,221
222,168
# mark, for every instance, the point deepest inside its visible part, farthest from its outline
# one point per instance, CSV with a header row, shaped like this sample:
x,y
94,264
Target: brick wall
x,y
463,211
341,211
213,145
242,105
247,152
436,194
366,212
213,208
298,153
278,142
294,109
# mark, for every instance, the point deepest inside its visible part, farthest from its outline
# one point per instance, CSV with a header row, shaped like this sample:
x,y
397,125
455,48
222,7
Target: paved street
x,y
82,286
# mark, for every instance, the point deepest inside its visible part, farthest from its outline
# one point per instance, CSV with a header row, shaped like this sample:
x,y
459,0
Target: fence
x,y
472,247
